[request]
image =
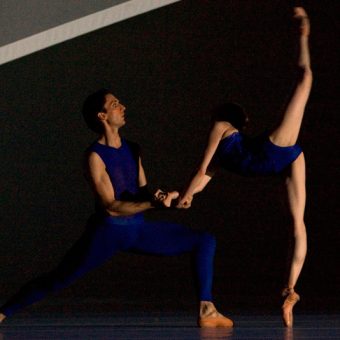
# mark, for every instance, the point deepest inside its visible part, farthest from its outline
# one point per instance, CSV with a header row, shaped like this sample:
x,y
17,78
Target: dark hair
x,y
94,104
232,113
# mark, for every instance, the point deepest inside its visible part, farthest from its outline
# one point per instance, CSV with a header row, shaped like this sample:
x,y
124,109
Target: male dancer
x,y
116,175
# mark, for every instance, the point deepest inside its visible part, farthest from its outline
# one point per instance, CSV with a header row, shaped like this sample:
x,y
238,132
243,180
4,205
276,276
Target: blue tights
x,y
104,237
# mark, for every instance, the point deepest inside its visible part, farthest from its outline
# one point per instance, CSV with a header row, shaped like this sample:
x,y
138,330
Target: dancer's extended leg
x,y
287,132
98,243
297,199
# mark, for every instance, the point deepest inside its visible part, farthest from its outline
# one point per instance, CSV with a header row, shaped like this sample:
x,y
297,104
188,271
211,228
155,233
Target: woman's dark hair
x,y
232,113
94,104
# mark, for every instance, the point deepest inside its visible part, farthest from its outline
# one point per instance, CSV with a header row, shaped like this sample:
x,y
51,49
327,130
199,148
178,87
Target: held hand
x,y
185,202
166,197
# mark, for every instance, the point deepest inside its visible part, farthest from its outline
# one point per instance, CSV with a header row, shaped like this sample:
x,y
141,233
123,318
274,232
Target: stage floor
x,y
166,326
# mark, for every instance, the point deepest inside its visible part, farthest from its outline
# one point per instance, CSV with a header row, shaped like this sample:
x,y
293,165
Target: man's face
x,y
114,114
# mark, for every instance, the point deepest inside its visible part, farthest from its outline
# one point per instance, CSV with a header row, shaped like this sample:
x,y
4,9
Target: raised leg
x,y
296,190
287,132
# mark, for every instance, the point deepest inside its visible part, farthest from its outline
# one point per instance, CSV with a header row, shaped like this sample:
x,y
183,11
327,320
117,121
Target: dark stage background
x,y
170,67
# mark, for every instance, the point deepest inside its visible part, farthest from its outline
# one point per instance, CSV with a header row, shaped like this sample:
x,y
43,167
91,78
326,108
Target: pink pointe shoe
x,y
291,298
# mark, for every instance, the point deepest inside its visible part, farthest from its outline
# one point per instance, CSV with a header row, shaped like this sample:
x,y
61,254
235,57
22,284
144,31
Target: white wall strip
x,y
78,27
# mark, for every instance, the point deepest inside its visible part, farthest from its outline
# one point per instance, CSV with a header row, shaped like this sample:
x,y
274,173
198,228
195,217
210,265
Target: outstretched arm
x,y
161,198
201,178
104,191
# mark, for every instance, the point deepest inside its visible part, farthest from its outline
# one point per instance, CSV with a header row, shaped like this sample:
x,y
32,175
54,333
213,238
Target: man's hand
x,y
165,198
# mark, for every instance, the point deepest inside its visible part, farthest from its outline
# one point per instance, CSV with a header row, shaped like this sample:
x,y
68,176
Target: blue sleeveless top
x,y
254,156
122,167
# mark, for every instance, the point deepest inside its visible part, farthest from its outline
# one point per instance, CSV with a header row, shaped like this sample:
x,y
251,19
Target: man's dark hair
x,y
94,104
232,113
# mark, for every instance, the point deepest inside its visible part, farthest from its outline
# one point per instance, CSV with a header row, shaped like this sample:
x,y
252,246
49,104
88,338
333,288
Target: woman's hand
x,y
185,202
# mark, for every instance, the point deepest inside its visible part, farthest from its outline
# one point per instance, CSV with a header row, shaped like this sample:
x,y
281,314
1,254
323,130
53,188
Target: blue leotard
x,y
254,156
105,235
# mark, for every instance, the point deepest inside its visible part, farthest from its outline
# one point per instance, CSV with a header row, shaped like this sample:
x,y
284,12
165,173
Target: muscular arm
x,y
104,190
142,178
201,178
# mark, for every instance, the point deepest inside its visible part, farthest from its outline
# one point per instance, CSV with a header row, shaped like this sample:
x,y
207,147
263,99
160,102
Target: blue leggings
x,y
104,237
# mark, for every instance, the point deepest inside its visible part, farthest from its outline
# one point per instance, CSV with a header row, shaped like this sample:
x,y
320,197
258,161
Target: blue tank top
x,y
122,167
254,156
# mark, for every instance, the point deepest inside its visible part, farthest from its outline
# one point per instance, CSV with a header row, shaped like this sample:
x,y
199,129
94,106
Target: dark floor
x,y
166,326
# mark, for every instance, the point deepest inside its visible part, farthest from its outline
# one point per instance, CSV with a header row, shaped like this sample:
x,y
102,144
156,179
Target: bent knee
x,y
300,230
305,74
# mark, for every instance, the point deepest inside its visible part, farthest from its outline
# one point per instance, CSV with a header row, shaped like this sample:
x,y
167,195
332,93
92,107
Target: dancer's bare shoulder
x,y
225,128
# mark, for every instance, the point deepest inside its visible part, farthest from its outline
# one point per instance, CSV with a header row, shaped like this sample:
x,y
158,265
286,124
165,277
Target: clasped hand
x,y
165,198
185,202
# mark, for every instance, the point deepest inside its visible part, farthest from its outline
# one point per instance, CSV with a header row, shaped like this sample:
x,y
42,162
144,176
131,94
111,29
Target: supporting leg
x,y
296,190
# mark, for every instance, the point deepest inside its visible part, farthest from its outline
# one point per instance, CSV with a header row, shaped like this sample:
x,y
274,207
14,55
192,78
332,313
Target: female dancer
x,y
272,154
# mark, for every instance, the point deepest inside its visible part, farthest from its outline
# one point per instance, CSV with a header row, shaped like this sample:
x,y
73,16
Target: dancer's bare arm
x,y
104,191
201,178
141,177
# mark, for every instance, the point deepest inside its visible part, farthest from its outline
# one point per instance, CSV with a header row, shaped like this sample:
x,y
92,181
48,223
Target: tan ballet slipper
x,y
211,318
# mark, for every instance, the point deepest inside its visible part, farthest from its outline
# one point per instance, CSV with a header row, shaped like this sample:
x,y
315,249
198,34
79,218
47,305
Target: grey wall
x,y
170,67
21,19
